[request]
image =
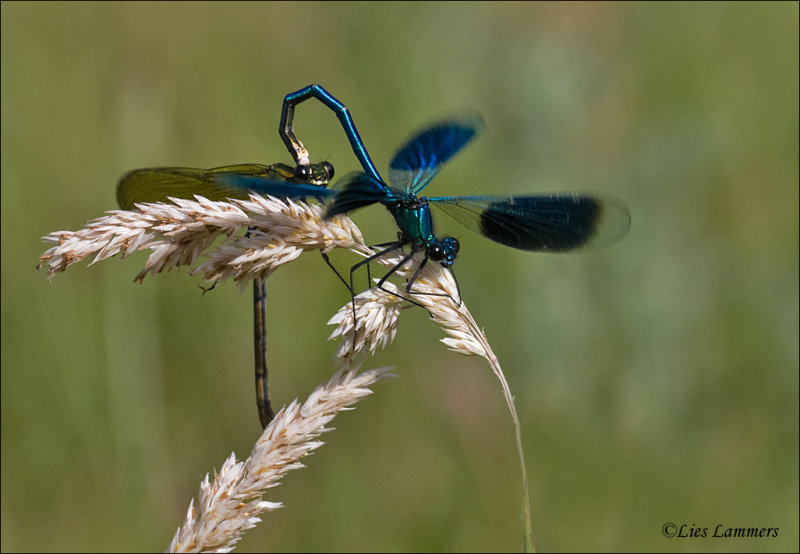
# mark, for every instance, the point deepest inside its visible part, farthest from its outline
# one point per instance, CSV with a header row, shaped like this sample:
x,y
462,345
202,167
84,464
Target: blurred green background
x,y
656,381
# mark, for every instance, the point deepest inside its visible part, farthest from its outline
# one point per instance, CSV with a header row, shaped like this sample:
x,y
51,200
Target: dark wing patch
x,y
546,223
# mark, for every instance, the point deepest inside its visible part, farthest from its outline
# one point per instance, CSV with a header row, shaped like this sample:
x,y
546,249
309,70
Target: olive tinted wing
x,y
157,184
421,158
237,181
546,223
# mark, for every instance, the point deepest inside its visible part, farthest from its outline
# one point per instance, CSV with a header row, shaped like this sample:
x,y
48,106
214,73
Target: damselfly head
x,y
443,251
319,174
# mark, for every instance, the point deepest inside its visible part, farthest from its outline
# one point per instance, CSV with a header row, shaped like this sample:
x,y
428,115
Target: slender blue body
x,y
342,113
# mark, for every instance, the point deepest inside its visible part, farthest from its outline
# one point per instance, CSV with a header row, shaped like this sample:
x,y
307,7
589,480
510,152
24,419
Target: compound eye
x,y
454,245
436,252
302,173
328,167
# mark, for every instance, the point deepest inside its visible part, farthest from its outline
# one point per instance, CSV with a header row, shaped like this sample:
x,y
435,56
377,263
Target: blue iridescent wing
x,y
356,191
159,183
545,223
416,163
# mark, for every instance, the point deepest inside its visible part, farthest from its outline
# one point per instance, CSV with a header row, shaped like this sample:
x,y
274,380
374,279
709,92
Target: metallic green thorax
x,y
414,220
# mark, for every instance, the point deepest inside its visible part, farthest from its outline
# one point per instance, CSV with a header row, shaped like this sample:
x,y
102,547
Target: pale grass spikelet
x,y
179,233
449,311
231,503
375,323
285,229
439,296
